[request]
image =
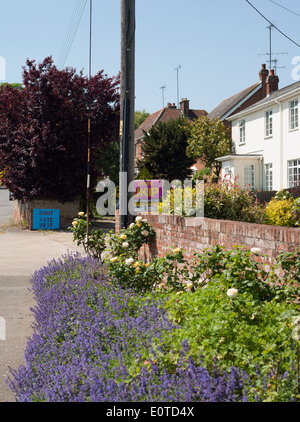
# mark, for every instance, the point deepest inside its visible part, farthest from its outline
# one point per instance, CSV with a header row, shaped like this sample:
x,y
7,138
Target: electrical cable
x,y
72,22
72,30
274,26
283,7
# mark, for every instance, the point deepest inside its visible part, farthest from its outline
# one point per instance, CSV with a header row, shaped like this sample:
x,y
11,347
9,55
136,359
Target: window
x,y
294,173
227,173
242,131
249,175
294,121
269,123
269,176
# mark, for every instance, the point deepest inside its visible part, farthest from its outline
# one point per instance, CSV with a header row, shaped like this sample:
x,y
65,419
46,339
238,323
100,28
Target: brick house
x,y
170,112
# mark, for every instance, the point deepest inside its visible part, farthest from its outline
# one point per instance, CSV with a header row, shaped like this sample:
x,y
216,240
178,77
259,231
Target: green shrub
x,y
279,213
226,201
95,244
229,201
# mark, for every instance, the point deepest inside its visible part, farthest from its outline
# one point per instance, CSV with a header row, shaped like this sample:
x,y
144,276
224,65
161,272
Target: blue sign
x,y
45,219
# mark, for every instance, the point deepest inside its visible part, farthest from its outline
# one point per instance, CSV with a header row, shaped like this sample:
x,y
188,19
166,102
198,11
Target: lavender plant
x,y
91,341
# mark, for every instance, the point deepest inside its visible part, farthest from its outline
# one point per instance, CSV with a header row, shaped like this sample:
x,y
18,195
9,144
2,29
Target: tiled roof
x,y
226,105
275,95
164,115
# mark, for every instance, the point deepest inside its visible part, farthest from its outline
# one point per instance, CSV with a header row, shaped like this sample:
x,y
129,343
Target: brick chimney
x,y
272,82
263,75
171,105
185,106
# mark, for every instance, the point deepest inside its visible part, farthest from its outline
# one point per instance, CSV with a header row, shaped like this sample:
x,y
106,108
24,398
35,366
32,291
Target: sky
x,y
219,44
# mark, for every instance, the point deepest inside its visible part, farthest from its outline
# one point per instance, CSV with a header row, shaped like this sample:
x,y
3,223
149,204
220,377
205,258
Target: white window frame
x,y
294,115
242,135
249,175
268,123
293,172
269,176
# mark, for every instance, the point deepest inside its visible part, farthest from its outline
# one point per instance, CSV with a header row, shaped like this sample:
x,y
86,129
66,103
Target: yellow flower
x,y
131,225
81,213
123,236
148,264
138,269
139,224
136,264
75,223
114,259
176,250
139,218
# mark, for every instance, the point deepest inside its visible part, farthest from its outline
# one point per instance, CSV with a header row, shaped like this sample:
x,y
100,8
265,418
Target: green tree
x,y
164,151
140,117
14,85
208,140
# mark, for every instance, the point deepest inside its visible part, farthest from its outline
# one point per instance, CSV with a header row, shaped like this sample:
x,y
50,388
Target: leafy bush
x,y
179,201
95,244
93,342
226,201
279,212
239,314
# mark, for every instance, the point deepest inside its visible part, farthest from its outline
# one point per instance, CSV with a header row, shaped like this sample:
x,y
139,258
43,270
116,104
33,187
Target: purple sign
x,y
148,190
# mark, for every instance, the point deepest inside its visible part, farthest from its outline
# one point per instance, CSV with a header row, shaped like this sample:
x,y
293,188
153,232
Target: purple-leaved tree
x,y
43,130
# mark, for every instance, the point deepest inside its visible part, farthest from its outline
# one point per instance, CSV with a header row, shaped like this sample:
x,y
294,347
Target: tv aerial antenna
x,y
163,98
270,54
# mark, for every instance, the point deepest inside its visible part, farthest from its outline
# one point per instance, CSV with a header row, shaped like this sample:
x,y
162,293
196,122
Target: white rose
x,y
125,244
145,220
232,293
255,250
129,261
145,233
139,218
131,225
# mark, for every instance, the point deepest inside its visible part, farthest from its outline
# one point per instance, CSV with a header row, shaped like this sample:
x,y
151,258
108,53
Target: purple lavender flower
x,y
88,332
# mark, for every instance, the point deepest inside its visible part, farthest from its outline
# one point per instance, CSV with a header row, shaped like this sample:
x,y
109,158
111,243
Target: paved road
x,y
22,252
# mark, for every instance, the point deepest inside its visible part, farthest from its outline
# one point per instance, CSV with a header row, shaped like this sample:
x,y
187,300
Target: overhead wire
x,y
274,26
71,32
67,38
283,7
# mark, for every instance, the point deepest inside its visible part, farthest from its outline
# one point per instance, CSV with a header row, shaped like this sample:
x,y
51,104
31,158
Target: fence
x,y
265,196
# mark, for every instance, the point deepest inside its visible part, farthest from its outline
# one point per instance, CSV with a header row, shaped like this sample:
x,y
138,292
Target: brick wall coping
x,y
194,234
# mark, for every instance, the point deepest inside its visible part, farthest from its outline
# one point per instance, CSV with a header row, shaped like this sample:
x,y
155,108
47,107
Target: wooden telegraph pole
x,y
127,128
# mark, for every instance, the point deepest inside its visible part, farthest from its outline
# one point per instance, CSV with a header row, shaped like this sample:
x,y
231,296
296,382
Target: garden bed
x,y
221,329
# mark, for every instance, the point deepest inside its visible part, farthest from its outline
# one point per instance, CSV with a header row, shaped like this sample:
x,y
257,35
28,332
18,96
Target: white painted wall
x,y
282,146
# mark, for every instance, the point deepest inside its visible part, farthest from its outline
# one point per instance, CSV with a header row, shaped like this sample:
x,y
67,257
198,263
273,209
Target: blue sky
x,y
217,43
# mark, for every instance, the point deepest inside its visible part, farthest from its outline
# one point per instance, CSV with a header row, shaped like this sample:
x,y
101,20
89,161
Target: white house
x,y
266,142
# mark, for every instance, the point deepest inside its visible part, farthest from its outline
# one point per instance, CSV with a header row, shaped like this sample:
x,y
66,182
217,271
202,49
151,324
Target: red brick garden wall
x,y
196,234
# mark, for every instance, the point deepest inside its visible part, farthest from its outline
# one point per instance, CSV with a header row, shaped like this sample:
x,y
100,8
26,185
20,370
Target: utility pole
x,y
89,137
127,108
